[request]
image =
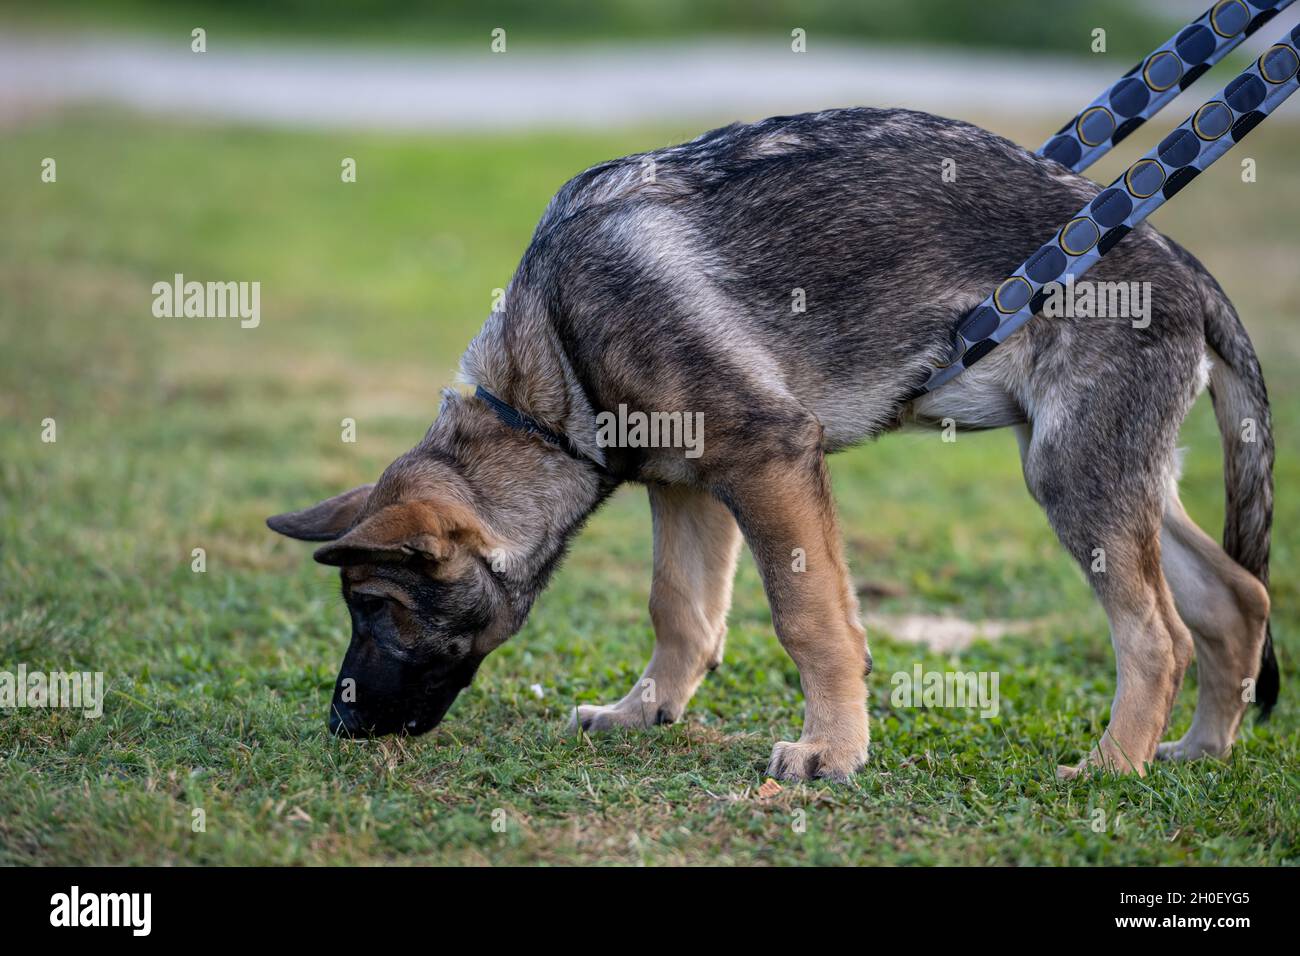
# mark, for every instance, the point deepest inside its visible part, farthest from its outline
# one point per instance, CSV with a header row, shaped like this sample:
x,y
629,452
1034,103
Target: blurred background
x,y
225,165
573,65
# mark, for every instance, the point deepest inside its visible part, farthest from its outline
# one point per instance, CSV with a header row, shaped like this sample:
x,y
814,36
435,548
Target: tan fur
x,y
1152,650
696,544
782,507
430,526
1226,608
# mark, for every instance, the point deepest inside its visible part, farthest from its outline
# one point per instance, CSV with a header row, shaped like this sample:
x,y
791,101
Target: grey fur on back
x,y
848,206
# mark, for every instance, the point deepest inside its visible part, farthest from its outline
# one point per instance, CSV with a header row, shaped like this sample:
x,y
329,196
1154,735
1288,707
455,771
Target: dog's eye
x,y
369,603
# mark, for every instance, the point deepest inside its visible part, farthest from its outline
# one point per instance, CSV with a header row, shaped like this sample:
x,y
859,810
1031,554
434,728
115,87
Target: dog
x,y
664,282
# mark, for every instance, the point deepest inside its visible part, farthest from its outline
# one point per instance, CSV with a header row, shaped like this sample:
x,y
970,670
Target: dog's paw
x,y
595,718
1106,759
1186,749
809,760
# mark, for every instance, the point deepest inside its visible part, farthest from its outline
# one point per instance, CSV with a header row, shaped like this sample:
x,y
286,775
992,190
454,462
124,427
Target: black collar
x,y
526,423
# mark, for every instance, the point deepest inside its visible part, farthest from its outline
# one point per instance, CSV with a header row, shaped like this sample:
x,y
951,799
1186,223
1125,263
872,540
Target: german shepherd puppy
x,y
664,282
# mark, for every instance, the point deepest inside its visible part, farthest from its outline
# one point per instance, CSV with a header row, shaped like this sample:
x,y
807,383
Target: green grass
x,y
176,434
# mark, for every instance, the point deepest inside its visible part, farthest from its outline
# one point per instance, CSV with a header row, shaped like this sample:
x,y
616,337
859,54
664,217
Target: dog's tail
x,y
1245,427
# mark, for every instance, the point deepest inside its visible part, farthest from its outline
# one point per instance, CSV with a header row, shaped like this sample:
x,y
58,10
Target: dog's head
x,y
426,607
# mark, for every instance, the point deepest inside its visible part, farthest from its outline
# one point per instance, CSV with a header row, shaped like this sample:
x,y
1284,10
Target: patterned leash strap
x,y
1144,90
1144,187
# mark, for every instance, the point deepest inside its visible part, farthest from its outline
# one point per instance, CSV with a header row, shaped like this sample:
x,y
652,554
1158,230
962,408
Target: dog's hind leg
x,y
1222,592
1104,497
696,544
1226,609
787,514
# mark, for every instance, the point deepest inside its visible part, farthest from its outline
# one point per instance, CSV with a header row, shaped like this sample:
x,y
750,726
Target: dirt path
x,y
596,86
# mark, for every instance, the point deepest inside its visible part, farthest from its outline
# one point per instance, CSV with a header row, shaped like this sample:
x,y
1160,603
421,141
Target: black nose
x,y
343,722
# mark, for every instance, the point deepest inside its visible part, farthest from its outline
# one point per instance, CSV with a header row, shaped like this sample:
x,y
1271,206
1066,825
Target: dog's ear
x,y
430,529
324,521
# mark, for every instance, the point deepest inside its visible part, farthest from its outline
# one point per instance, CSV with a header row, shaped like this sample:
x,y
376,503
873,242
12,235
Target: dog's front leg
x,y
696,543
787,514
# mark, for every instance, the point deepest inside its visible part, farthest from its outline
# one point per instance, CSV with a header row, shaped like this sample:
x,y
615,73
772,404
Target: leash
x,y
1168,70
1144,187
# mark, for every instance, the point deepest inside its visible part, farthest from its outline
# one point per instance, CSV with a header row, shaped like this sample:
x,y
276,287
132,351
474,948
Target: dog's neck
x,y
530,495
534,495
518,358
